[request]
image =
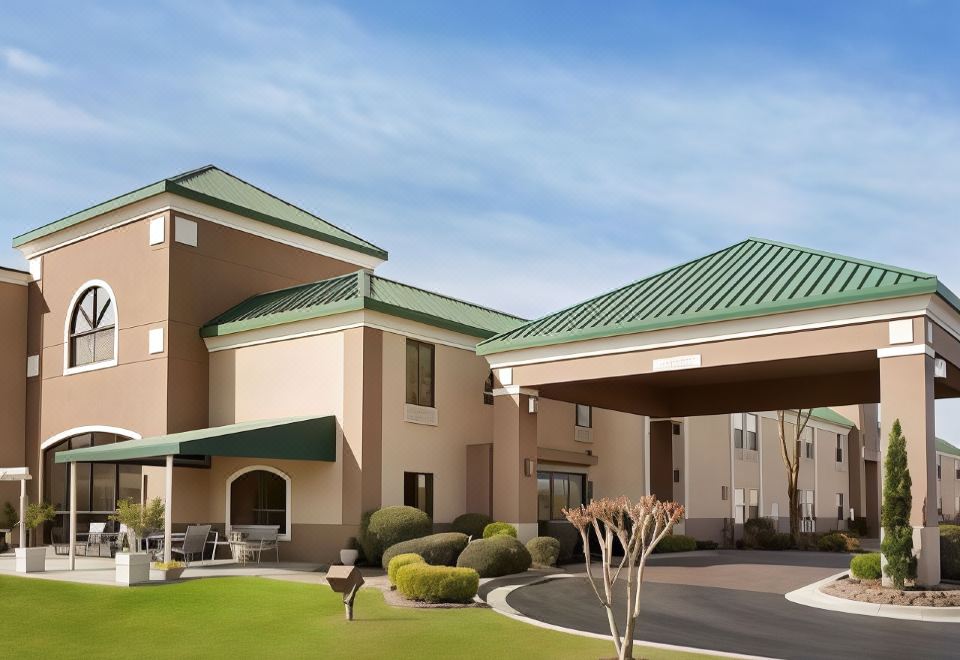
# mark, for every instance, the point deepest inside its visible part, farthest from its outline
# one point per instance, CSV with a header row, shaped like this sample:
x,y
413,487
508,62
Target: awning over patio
x,y
294,438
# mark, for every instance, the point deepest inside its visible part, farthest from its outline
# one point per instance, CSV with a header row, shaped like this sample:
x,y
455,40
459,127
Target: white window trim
x,y
80,430
105,364
253,468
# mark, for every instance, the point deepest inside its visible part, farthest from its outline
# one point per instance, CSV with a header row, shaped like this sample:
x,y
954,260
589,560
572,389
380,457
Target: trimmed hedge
x,y
471,524
388,526
544,550
496,556
707,545
569,537
832,542
436,549
950,552
676,543
866,567
399,561
758,533
779,542
437,584
499,529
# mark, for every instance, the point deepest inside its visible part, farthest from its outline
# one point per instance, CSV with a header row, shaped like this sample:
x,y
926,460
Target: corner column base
x,y
926,547
526,531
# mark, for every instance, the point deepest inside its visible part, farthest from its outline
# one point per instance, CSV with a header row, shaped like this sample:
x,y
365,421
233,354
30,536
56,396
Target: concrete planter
x,y
349,557
133,568
166,574
31,560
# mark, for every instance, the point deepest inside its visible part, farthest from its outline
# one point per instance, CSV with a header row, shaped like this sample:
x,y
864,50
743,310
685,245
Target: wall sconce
x,y
533,404
528,467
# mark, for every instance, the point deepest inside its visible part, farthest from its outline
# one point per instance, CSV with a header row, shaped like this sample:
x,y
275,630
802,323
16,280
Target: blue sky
x,y
522,155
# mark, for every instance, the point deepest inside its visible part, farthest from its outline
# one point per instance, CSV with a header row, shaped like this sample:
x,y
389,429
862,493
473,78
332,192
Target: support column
x,y
73,516
907,394
168,510
23,513
514,456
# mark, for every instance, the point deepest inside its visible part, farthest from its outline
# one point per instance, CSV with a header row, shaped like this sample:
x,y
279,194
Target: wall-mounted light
x,y
533,405
528,467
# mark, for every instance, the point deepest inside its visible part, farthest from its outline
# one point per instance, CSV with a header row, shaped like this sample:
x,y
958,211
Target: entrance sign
x,y
678,362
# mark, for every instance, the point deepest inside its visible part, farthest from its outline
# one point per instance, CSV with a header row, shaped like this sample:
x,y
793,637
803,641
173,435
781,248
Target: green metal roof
x,y
222,190
832,416
947,448
295,438
755,277
360,290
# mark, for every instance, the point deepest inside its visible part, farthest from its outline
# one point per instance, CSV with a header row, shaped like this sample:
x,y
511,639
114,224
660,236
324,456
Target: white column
x,y
168,510
646,455
73,516
23,513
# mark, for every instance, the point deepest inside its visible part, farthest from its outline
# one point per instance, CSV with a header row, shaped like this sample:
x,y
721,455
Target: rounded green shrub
x,y
544,550
388,526
471,524
676,543
950,552
866,567
832,542
758,533
436,549
707,545
496,556
499,529
399,561
779,542
437,584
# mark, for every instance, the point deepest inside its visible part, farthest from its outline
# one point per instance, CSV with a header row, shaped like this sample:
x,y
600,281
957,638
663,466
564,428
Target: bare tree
x,y
792,463
639,528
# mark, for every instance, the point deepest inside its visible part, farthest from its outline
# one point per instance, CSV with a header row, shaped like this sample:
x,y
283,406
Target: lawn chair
x,y
194,542
259,538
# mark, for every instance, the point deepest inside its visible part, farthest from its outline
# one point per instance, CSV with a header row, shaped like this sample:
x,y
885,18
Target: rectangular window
x,y
956,468
676,476
738,431
808,443
676,428
754,511
420,369
557,491
939,506
724,493
488,390
418,491
956,505
739,506
806,504
751,432
584,416
840,515
939,467
839,448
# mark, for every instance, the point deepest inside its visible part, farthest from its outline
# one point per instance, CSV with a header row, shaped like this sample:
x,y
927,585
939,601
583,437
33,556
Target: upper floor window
x,y
420,370
745,431
808,442
584,416
92,330
939,467
839,448
488,390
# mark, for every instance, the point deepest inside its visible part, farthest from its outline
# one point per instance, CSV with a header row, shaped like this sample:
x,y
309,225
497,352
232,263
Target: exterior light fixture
x,y
345,580
528,467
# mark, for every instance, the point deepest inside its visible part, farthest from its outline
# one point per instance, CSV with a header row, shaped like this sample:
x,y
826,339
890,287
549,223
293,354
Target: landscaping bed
x,y
871,591
397,599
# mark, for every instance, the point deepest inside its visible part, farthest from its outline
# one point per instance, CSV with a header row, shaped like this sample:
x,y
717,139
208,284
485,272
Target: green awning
x,y
294,438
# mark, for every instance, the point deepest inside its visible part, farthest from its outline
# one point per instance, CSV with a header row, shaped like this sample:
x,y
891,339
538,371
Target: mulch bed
x,y
870,591
396,599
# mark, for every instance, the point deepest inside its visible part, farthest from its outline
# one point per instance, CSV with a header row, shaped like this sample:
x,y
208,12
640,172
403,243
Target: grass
x,y
258,617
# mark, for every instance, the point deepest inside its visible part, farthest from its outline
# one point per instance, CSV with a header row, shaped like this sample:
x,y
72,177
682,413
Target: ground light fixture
x,y
345,580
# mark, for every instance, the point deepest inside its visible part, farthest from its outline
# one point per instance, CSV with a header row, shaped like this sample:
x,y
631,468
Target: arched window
x,y
92,328
259,495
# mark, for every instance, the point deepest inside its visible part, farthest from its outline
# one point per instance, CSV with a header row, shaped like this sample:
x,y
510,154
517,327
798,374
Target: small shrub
x,y
676,543
388,526
758,533
499,529
437,584
496,556
866,567
399,561
807,541
832,542
950,552
167,565
568,536
707,545
471,524
544,550
436,549
780,542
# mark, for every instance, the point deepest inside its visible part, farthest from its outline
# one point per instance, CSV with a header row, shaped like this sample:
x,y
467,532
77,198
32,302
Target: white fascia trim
x,y
815,319
945,316
266,468
514,390
338,323
914,349
105,364
80,430
148,208
15,277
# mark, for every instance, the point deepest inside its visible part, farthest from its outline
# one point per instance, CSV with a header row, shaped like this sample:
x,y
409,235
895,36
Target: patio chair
x,y
194,542
260,538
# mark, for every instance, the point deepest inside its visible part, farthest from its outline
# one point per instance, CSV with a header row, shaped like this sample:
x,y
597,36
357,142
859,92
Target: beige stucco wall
x,y
948,485
708,439
462,419
832,478
13,382
618,444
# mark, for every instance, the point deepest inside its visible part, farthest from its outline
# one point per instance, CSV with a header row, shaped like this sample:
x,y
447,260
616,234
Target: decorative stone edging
x,y
811,596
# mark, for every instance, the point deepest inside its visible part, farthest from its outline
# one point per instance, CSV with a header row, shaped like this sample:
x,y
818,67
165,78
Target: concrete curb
x,y
497,600
811,596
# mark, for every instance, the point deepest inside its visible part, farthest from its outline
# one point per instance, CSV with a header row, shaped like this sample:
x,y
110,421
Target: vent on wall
x,y
582,434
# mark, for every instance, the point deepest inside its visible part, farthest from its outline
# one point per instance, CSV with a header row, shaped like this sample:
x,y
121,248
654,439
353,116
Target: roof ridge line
x,y
443,295
844,257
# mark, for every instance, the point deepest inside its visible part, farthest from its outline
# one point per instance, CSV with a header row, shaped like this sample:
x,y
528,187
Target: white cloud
x,y
23,62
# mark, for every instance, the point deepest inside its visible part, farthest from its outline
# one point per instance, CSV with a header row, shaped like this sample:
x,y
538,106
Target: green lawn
x,y
258,617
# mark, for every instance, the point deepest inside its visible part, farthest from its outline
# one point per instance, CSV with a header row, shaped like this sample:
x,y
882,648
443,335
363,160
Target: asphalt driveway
x,y
733,601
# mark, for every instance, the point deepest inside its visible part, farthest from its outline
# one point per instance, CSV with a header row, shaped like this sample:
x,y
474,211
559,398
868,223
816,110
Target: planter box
x,y
349,557
31,560
166,574
133,568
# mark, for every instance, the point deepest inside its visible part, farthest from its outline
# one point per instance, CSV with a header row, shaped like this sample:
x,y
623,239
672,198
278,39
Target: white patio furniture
x,y
254,541
194,542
